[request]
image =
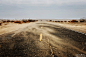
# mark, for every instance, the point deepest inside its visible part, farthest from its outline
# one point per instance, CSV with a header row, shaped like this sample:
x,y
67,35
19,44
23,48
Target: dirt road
x,y
42,39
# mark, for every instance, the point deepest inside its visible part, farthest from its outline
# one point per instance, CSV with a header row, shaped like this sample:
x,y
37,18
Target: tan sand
x,y
80,27
9,27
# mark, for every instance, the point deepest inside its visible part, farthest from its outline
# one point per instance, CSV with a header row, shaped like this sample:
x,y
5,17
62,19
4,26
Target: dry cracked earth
x,y
55,41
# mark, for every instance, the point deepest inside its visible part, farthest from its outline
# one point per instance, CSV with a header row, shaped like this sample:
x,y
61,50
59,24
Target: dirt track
x,y
56,42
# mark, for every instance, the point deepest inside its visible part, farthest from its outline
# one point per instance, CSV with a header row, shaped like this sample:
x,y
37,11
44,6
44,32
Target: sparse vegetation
x,y
65,21
4,21
20,22
8,20
74,21
61,21
82,20
0,24
11,21
56,21
16,21
50,20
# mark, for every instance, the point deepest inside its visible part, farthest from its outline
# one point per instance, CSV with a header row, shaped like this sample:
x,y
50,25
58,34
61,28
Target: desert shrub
x,y
0,24
61,21
4,21
82,20
50,20
12,21
20,22
65,21
8,20
56,21
25,21
69,21
74,21
28,21
32,20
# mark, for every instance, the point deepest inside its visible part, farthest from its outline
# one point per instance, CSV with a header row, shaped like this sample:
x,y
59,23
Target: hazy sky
x,y
42,9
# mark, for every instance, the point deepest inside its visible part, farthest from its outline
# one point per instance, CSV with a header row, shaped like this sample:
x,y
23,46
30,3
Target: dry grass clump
x,y
82,20
20,22
74,21
50,20
4,21
56,21
61,21
65,21
0,23
31,20
8,20
12,21
69,21
16,21
24,21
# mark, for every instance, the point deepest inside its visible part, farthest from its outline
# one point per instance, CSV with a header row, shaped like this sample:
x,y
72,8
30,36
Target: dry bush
x,y
50,20
74,21
20,22
28,21
61,21
12,21
82,20
32,20
24,21
4,21
0,24
69,21
65,21
8,20
58,21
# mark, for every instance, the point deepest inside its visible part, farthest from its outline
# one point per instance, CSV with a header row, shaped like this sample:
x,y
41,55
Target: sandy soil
x,y
80,27
9,27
